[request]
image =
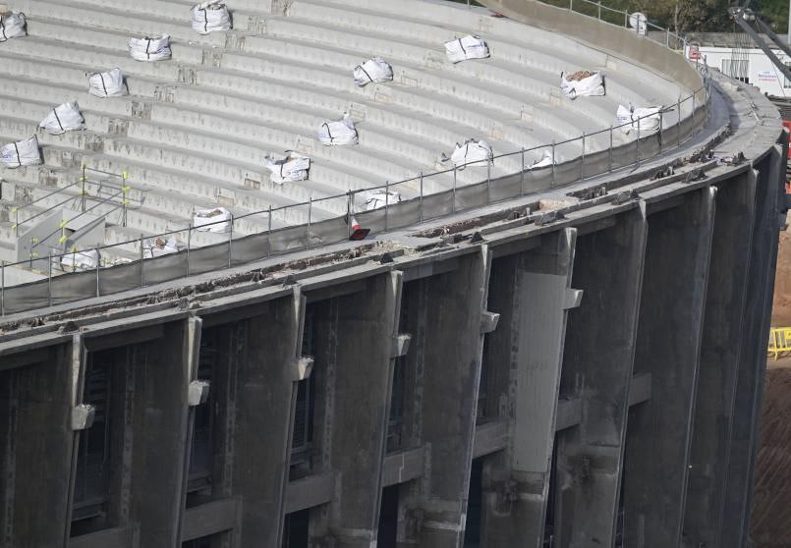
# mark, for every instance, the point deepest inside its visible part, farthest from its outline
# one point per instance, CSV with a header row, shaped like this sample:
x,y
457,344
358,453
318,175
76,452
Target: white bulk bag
x,y
160,246
647,120
341,132
12,25
582,82
63,118
210,16
468,47
212,220
294,167
546,160
107,84
21,153
150,49
472,151
374,70
80,260
382,198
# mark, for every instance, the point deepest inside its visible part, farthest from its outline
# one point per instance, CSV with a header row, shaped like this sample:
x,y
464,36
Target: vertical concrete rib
x,y
264,378
157,372
668,348
597,370
722,340
535,319
752,358
451,349
360,357
35,410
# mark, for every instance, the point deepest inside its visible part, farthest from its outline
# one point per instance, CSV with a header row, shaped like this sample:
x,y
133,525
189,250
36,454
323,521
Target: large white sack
x,y
341,132
107,84
211,16
582,83
293,167
80,260
12,25
646,119
467,47
212,220
160,246
150,49
471,152
547,159
382,198
63,118
374,70
21,153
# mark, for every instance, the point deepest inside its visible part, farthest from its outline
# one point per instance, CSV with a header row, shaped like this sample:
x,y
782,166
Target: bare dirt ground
x,y
771,518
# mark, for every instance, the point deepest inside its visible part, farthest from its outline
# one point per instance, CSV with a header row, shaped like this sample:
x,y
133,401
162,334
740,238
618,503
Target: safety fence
x,y
145,261
779,342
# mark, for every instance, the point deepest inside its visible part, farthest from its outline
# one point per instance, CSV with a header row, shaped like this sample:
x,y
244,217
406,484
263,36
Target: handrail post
x,y
421,196
269,231
693,111
310,218
125,195
230,242
2,288
599,8
453,195
489,180
82,191
349,214
661,121
49,280
522,175
553,162
582,168
678,125
189,246
609,153
142,262
638,142
387,201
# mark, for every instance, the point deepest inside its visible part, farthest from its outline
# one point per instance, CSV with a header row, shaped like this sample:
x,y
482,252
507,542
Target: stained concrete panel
x,y
668,347
752,356
722,340
36,441
531,292
597,369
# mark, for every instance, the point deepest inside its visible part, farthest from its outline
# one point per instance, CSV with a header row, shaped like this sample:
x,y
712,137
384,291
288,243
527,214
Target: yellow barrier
x,y
779,341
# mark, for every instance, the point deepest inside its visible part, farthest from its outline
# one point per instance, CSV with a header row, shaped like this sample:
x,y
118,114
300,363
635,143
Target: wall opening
x,y
388,518
296,529
199,486
472,531
91,500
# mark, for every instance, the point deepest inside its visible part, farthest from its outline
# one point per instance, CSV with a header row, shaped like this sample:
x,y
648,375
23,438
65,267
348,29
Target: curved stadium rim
x,y
423,206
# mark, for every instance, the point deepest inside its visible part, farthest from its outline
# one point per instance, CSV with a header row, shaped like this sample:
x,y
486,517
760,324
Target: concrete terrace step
x,y
511,92
131,23
528,55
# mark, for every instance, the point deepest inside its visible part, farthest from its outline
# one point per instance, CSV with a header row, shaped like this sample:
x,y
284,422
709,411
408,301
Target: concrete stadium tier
x,y
566,357
195,130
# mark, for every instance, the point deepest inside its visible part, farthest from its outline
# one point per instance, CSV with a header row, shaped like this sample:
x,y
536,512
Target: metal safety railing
x,y
779,342
328,220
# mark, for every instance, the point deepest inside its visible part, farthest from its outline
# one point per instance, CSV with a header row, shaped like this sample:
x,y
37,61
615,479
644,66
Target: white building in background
x,y
736,55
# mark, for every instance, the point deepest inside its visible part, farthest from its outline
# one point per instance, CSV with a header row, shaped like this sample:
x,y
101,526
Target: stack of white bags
x,y
150,49
80,260
63,118
468,47
382,198
645,120
12,25
21,153
341,132
210,16
216,220
472,152
374,70
292,168
107,84
582,83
